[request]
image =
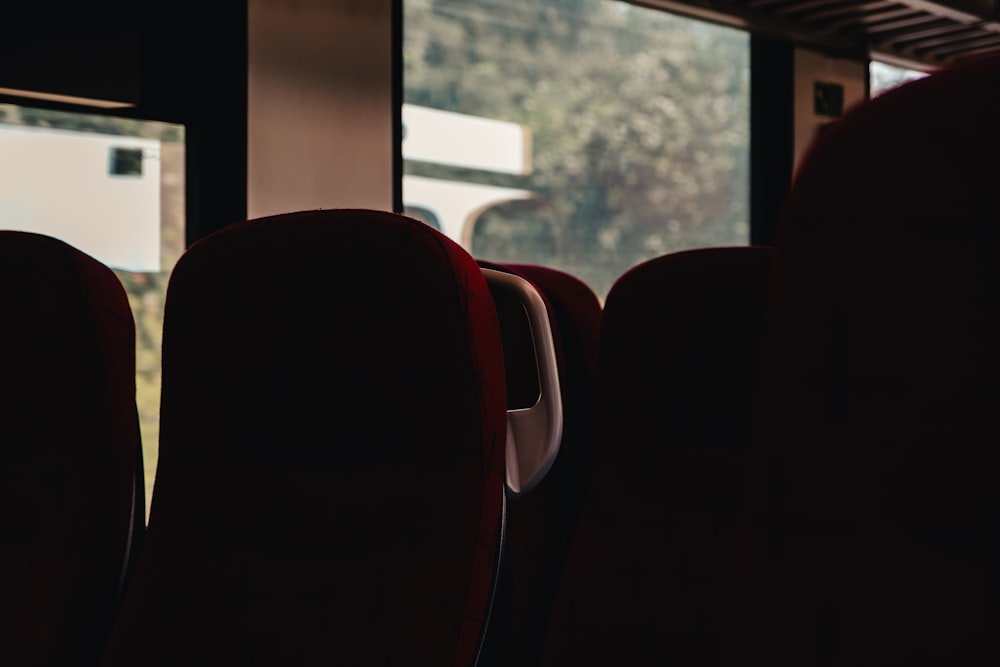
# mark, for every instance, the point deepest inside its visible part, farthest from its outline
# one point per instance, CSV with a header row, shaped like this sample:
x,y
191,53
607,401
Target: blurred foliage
x,y
145,294
97,123
639,121
523,229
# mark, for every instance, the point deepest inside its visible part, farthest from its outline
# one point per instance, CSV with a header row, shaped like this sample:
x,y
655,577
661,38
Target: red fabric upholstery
x,y
329,488
541,523
649,571
69,505
872,529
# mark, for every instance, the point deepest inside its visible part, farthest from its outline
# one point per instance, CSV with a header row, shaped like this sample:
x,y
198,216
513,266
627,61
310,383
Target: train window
x,y
521,229
423,215
126,161
588,135
114,188
886,77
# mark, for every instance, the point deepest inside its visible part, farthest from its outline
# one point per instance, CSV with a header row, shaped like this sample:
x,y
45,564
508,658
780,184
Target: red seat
x,y
872,535
71,493
541,522
330,483
649,571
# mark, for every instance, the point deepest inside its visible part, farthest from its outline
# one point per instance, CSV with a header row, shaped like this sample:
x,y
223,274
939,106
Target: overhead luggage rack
x,y
929,33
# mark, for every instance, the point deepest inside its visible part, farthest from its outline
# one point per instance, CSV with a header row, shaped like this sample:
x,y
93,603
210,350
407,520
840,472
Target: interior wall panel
x,y
320,96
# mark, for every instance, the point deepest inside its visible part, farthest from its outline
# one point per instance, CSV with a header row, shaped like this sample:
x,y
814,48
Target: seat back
x,y
540,522
649,570
330,483
871,534
71,493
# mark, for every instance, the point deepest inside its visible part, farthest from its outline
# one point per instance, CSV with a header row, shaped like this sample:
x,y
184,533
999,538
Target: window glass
x,y
114,188
886,77
586,135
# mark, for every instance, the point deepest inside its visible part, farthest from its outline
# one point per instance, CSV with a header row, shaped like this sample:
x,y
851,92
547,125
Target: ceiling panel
x,y
919,31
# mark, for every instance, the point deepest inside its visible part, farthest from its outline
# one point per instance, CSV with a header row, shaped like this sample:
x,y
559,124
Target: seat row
x,y
373,447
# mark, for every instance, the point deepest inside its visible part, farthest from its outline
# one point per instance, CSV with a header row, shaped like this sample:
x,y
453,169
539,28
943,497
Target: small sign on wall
x,y
828,99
